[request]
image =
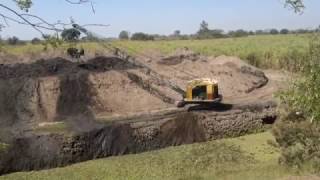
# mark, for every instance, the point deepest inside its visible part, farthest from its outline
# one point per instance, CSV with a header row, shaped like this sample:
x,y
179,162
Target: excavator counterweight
x,y
201,91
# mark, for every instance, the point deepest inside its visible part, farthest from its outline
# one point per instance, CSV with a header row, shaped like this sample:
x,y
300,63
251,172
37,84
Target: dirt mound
x,y
55,89
236,78
179,56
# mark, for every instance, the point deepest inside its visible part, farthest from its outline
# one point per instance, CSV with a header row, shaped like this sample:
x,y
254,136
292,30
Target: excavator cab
x,y
201,91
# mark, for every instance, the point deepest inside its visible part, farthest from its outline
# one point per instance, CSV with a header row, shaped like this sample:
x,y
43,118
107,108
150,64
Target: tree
x,y
39,24
238,33
13,40
206,33
177,33
124,35
35,41
296,5
298,131
274,31
71,34
204,29
259,32
142,37
284,31
22,16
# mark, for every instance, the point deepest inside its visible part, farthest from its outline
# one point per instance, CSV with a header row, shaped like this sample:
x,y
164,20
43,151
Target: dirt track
x,y
123,105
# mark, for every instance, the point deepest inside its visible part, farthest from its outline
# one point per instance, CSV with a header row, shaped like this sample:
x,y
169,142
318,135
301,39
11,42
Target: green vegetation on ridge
x,y
269,51
265,51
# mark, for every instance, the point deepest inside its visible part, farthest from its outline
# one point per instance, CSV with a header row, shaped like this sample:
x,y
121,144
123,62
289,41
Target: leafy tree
x,y
296,5
206,33
124,35
71,34
259,32
177,33
142,37
204,28
274,31
13,40
10,14
238,33
35,41
284,31
298,131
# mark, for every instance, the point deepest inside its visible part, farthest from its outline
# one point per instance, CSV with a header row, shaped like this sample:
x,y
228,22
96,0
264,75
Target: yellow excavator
x,y
201,91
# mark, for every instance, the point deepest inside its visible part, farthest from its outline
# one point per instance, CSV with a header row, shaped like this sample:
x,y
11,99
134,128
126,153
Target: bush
x,y
124,35
13,40
274,31
35,41
299,141
72,34
142,37
298,131
284,31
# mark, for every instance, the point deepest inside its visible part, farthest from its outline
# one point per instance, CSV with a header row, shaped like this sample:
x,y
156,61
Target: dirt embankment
x,y
56,89
135,136
236,77
88,96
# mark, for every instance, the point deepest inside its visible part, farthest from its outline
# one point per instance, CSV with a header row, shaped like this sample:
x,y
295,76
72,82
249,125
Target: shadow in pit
x,y
218,107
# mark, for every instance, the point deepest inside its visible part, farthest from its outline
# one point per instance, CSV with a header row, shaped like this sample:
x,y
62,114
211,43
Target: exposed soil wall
x,y
83,95
47,151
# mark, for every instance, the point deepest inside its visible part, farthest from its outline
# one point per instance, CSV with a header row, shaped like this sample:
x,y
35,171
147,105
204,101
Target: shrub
x,y
35,41
142,37
298,131
72,34
124,35
13,40
274,31
284,31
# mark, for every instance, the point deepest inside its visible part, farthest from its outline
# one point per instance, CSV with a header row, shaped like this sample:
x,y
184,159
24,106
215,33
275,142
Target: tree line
x,y
205,32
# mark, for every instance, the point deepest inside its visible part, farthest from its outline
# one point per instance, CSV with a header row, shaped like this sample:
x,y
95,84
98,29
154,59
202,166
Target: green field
x,y
277,51
248,157
267,51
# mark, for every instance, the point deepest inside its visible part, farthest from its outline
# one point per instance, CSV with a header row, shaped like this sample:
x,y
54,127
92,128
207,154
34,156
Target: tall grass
x,y
268,51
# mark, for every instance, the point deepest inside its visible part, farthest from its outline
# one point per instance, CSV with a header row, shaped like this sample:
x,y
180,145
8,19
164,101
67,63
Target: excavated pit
x,y
115,106
55,150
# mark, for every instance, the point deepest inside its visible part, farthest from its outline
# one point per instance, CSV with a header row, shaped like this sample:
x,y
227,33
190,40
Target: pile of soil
x,y
236,78
56,89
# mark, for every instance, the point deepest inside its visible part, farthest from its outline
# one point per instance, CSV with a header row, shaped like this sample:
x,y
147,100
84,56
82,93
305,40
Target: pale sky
x,y
165,16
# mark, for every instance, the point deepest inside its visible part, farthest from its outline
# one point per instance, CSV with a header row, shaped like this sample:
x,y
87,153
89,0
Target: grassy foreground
x,y
248,157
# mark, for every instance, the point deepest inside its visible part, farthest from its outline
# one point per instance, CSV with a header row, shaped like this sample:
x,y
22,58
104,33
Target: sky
x,y
166,16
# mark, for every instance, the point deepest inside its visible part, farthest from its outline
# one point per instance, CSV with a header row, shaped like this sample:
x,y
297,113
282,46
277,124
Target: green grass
x,y
267,51
55,128
3,146
248,157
